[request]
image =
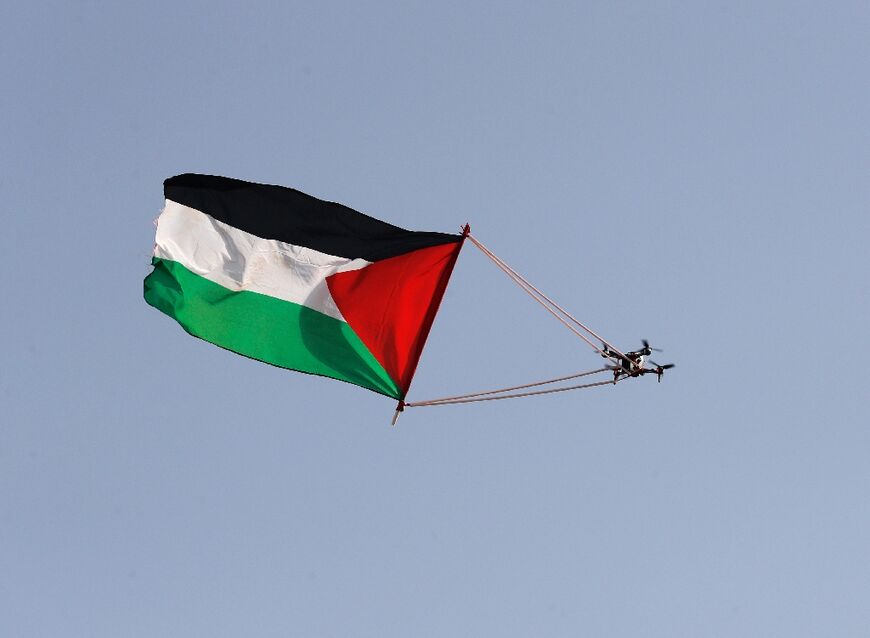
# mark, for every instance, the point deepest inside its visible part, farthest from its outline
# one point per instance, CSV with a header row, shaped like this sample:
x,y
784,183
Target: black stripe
x,y
285,214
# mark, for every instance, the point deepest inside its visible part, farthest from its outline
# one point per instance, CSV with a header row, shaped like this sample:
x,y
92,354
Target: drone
x,y
632,364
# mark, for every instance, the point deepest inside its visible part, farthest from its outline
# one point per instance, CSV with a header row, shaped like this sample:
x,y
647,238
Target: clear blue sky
x,y
692,173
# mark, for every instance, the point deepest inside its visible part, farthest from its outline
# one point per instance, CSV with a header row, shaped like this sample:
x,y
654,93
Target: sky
x,y
692,173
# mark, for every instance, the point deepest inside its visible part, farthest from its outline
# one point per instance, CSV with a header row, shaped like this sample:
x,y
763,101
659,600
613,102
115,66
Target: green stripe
x,y
284,334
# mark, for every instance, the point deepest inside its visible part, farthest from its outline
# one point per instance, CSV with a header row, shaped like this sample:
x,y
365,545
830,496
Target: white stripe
x,y
240,261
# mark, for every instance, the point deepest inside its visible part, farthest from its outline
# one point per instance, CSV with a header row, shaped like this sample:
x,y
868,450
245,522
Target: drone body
x,y
633,364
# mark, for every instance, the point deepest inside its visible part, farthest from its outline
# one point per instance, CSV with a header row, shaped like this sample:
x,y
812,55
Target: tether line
x,y
518,395
564,317
502,390
551,306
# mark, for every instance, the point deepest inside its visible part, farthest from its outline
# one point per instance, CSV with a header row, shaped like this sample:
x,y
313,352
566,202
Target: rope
x,y
544,300
531,291
510,389
511,396
554,309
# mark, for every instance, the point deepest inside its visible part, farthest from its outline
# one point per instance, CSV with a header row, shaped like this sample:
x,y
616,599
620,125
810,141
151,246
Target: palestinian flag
x,y
279,276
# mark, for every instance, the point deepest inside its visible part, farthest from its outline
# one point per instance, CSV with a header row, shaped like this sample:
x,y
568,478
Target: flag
x,y
288,279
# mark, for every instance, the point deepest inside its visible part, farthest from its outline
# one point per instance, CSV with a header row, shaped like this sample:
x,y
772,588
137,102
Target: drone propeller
x,y
648,347
660,369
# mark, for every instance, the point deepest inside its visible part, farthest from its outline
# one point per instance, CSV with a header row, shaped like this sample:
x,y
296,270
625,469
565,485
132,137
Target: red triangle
x,y
391,304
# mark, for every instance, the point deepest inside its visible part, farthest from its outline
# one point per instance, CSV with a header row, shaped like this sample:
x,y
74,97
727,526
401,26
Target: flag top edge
x,y
287,214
